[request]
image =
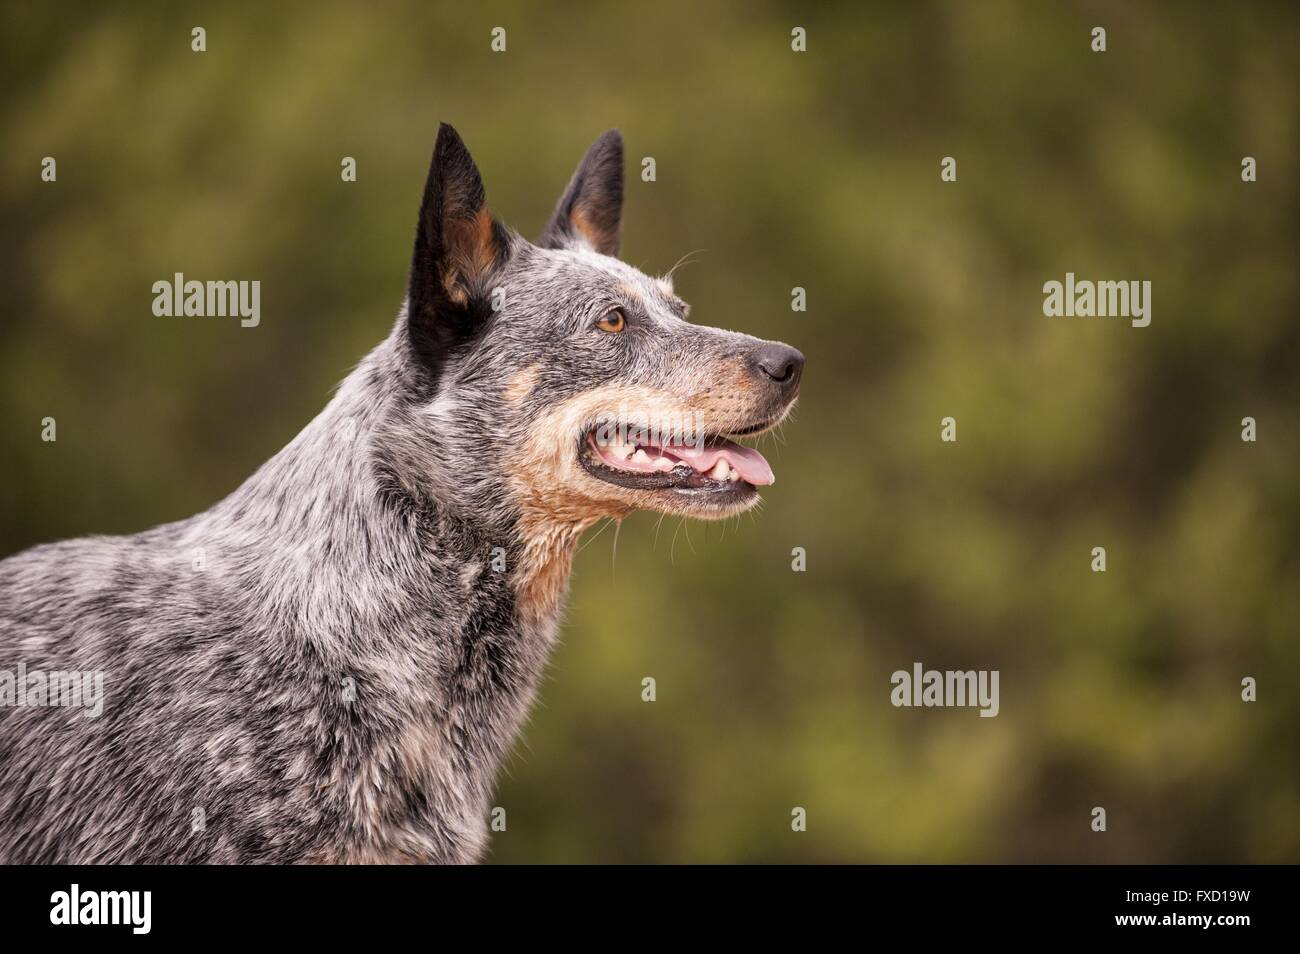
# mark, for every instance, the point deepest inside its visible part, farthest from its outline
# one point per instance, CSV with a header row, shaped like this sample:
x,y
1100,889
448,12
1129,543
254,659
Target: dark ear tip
x,y
611,142
449,142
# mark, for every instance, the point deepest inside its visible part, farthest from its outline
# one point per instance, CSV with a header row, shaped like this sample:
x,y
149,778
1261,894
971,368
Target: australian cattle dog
x,y
329,664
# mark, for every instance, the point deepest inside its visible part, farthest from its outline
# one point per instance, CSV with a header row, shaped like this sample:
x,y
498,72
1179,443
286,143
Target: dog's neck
x,y
354,490
443,616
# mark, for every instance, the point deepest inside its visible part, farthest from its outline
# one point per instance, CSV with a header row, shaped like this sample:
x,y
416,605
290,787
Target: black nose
x,y
781,363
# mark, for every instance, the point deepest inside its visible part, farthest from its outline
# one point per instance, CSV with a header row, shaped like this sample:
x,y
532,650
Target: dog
x,y
329,665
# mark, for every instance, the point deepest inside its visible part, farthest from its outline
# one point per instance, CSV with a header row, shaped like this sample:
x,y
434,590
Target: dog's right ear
x,y
458,248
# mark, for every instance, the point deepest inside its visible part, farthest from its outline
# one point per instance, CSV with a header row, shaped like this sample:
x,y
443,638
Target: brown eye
x,y
614,322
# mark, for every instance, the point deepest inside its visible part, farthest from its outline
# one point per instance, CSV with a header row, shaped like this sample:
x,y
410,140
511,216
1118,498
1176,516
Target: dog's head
x,y
562,379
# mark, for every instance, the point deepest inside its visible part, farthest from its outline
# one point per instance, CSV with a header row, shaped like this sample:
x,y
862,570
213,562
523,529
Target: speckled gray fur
x,y
330,664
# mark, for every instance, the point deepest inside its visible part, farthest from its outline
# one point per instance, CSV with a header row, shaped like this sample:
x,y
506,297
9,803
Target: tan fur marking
x,y
471,248
582,221
485,250
727,402
454,291
558,499
547,561
628,290
367,855
521,384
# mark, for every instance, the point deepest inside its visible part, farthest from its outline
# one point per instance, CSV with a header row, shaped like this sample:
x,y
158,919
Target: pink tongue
x,y
749,463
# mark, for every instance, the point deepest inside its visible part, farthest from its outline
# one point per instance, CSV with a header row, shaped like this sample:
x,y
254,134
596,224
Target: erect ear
x,y
591,209
458,246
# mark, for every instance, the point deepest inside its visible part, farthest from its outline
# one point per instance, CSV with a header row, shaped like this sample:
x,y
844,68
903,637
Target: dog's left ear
x,y
458,246
591,209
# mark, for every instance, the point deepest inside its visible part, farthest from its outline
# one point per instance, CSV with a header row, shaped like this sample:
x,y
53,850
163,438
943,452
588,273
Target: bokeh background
x,y
777,169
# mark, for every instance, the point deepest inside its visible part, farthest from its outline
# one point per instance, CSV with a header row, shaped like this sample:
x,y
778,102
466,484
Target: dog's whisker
x,y
683,261
613,555
672,550
603,527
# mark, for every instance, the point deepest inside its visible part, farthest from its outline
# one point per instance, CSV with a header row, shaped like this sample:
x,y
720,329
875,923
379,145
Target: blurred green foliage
x,y
819,170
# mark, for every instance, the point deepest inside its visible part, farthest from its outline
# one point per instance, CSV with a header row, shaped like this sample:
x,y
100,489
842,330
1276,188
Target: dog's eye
x,y
614,322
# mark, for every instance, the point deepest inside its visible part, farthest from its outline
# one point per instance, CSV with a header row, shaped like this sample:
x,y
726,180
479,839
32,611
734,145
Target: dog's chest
x,y
425,792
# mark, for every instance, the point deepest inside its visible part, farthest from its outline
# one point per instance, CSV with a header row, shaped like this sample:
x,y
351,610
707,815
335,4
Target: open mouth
x,y
712,467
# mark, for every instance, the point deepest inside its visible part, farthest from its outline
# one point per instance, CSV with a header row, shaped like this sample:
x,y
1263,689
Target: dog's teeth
x,y
640,457
618,450
720,470
734,476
